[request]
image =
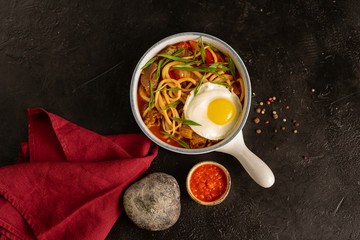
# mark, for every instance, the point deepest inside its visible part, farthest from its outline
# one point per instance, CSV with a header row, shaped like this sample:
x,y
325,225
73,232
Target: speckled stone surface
x,y
75,59
153,203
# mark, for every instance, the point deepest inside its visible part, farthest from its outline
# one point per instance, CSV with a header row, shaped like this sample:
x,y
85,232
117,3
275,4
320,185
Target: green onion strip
x,y
185,121
179,141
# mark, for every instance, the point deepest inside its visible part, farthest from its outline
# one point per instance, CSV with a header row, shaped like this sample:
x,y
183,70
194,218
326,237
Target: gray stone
x,y
153,203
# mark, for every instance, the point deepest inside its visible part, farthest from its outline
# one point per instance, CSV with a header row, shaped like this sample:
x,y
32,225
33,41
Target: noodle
x,y
242,89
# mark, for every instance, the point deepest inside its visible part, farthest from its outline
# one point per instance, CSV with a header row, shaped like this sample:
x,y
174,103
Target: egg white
x,y
196,108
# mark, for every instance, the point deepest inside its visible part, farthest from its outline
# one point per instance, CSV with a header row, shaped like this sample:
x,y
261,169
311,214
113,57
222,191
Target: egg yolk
x,y
221,111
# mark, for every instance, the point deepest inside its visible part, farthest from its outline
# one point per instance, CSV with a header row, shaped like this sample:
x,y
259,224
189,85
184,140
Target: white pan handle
x,y
254,166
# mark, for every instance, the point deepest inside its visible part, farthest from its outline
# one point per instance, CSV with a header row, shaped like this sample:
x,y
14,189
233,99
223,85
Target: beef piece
x,y
170,49
197,141
186,132
187,52
149,74
152,118
212,142
174,48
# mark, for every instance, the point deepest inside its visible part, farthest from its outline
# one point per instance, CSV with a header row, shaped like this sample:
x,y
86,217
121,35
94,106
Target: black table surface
x,y
76,58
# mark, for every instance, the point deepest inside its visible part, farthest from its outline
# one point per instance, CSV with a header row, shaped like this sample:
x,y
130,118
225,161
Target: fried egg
x,y
215,108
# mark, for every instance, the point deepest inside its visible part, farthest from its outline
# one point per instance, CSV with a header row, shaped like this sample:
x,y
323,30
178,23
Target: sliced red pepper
x,y
184,45
208,57
174,75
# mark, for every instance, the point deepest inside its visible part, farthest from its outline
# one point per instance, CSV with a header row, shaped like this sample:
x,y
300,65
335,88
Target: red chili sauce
x,y
208,182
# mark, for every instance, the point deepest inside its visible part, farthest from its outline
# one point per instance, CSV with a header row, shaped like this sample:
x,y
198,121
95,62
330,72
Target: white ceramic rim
x,y
224,48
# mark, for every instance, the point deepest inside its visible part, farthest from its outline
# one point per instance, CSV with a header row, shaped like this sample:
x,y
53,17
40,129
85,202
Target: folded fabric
x,y
68,180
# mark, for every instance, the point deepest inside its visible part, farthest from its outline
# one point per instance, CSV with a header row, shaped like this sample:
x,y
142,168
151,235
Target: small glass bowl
x,y
222,197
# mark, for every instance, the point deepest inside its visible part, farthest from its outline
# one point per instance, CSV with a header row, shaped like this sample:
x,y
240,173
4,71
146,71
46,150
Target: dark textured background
x,y
75,59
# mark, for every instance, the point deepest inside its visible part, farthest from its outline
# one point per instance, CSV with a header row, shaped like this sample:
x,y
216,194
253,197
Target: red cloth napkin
x,y
69,180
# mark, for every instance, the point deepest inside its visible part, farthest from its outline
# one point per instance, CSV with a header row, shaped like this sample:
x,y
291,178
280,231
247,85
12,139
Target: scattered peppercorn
x,y
305,157
261,109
